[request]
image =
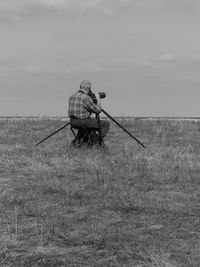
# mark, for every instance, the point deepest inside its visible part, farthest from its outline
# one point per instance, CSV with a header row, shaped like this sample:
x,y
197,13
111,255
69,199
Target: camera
x,y
94,98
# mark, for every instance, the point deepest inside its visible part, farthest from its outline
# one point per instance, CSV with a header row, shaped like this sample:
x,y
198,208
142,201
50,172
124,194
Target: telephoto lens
x,y
102,94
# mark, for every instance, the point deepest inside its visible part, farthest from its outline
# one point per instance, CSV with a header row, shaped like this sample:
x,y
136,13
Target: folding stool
x,y
84,135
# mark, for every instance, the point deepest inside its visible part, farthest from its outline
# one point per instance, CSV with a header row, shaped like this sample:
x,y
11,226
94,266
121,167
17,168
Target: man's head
x,y
85,86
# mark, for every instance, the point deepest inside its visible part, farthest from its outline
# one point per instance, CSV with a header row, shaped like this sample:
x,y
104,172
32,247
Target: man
x,y
81,106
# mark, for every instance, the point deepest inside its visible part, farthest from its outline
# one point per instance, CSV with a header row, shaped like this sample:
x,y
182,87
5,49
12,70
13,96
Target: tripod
x,y
99,126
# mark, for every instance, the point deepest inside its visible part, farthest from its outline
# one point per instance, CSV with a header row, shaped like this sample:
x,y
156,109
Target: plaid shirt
x,y
81,106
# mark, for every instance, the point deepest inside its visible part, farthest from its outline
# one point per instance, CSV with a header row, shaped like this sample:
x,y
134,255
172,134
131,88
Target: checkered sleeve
x,y
92,107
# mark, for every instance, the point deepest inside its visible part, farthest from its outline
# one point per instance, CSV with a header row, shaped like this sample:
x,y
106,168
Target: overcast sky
x,y
145,54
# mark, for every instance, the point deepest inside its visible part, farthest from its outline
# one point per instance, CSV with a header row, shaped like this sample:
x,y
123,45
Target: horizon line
x,y
66,117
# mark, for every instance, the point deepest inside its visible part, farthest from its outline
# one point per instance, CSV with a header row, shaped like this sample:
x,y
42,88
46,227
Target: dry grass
x,y
126,206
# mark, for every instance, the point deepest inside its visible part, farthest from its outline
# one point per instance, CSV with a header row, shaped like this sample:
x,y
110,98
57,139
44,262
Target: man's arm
x,y
92,107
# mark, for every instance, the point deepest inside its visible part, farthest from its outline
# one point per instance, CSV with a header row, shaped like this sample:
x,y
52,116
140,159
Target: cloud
x,y
167,57
12,9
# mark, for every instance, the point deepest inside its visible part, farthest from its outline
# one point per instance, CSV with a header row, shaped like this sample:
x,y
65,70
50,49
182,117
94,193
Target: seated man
x,y
81,106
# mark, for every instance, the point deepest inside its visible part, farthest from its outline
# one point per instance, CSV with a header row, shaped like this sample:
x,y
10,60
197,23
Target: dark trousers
x,y
91,123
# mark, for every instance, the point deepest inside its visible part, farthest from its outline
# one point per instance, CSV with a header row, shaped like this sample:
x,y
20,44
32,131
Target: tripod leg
x,y
100,130
122,127
52,134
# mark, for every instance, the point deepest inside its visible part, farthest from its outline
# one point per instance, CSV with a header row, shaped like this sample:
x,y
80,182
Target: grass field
x,y
125,206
